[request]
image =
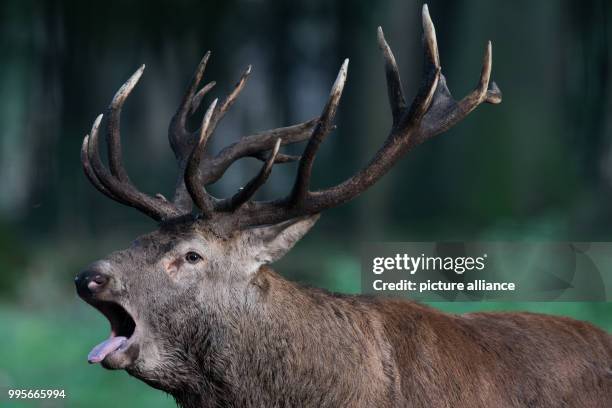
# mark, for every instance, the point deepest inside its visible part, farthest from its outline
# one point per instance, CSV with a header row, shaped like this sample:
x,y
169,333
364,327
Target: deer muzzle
x,y
121,348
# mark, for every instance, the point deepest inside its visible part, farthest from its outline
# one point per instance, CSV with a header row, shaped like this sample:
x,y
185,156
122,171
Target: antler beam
x,y
432,112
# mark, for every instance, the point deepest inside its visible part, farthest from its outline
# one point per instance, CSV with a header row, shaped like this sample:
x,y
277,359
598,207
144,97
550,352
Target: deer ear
x,y
272,242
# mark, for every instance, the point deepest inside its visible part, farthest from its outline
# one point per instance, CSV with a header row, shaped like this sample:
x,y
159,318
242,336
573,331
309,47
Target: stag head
x,y
184,286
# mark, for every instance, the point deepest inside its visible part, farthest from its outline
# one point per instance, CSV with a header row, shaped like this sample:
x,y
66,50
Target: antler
x,y
204,172
189,148
432,112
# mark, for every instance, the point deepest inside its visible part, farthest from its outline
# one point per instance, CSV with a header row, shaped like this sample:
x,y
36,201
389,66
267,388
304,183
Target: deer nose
x,y
91,281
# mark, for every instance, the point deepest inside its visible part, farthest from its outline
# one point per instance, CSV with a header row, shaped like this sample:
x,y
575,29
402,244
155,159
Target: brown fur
x,y
224,332
306,347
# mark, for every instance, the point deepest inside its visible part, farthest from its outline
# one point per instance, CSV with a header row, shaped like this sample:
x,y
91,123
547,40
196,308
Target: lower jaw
x,y
121,359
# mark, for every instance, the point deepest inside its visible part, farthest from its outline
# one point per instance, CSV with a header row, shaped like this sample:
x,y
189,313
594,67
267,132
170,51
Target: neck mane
x,y
258,359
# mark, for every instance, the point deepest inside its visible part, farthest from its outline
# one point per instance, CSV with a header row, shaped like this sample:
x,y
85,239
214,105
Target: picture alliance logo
x,y
413,264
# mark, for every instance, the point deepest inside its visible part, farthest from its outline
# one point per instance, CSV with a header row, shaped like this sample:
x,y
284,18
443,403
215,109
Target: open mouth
x,y
123,327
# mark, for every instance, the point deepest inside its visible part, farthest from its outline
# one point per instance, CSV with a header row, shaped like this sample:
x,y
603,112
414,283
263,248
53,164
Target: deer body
x,y
195,311
305,347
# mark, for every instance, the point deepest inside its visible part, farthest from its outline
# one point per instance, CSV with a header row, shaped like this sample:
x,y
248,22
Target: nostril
x,y
97,282
91,281
100,279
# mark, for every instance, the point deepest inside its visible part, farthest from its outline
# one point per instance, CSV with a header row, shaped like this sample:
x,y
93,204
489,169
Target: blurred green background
x,y
537,167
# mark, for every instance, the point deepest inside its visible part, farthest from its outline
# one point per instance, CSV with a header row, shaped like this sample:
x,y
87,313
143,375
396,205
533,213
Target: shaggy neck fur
x,y
290,351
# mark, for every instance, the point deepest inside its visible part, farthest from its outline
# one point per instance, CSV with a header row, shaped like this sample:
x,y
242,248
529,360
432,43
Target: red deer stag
x,y
196,311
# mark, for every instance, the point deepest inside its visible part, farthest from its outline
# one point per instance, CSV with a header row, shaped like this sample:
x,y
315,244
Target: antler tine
x,y
245,193
486,90
177,124
479,94
431,73
89,172
197,99
194,184
113,135
93,154
321,130
230,99
121,191
429,36
394,82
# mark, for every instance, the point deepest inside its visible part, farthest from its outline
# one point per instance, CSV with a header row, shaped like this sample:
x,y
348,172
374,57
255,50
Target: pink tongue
x,y
103,349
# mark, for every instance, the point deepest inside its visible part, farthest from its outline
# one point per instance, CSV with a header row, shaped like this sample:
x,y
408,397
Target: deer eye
x,y
192,257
